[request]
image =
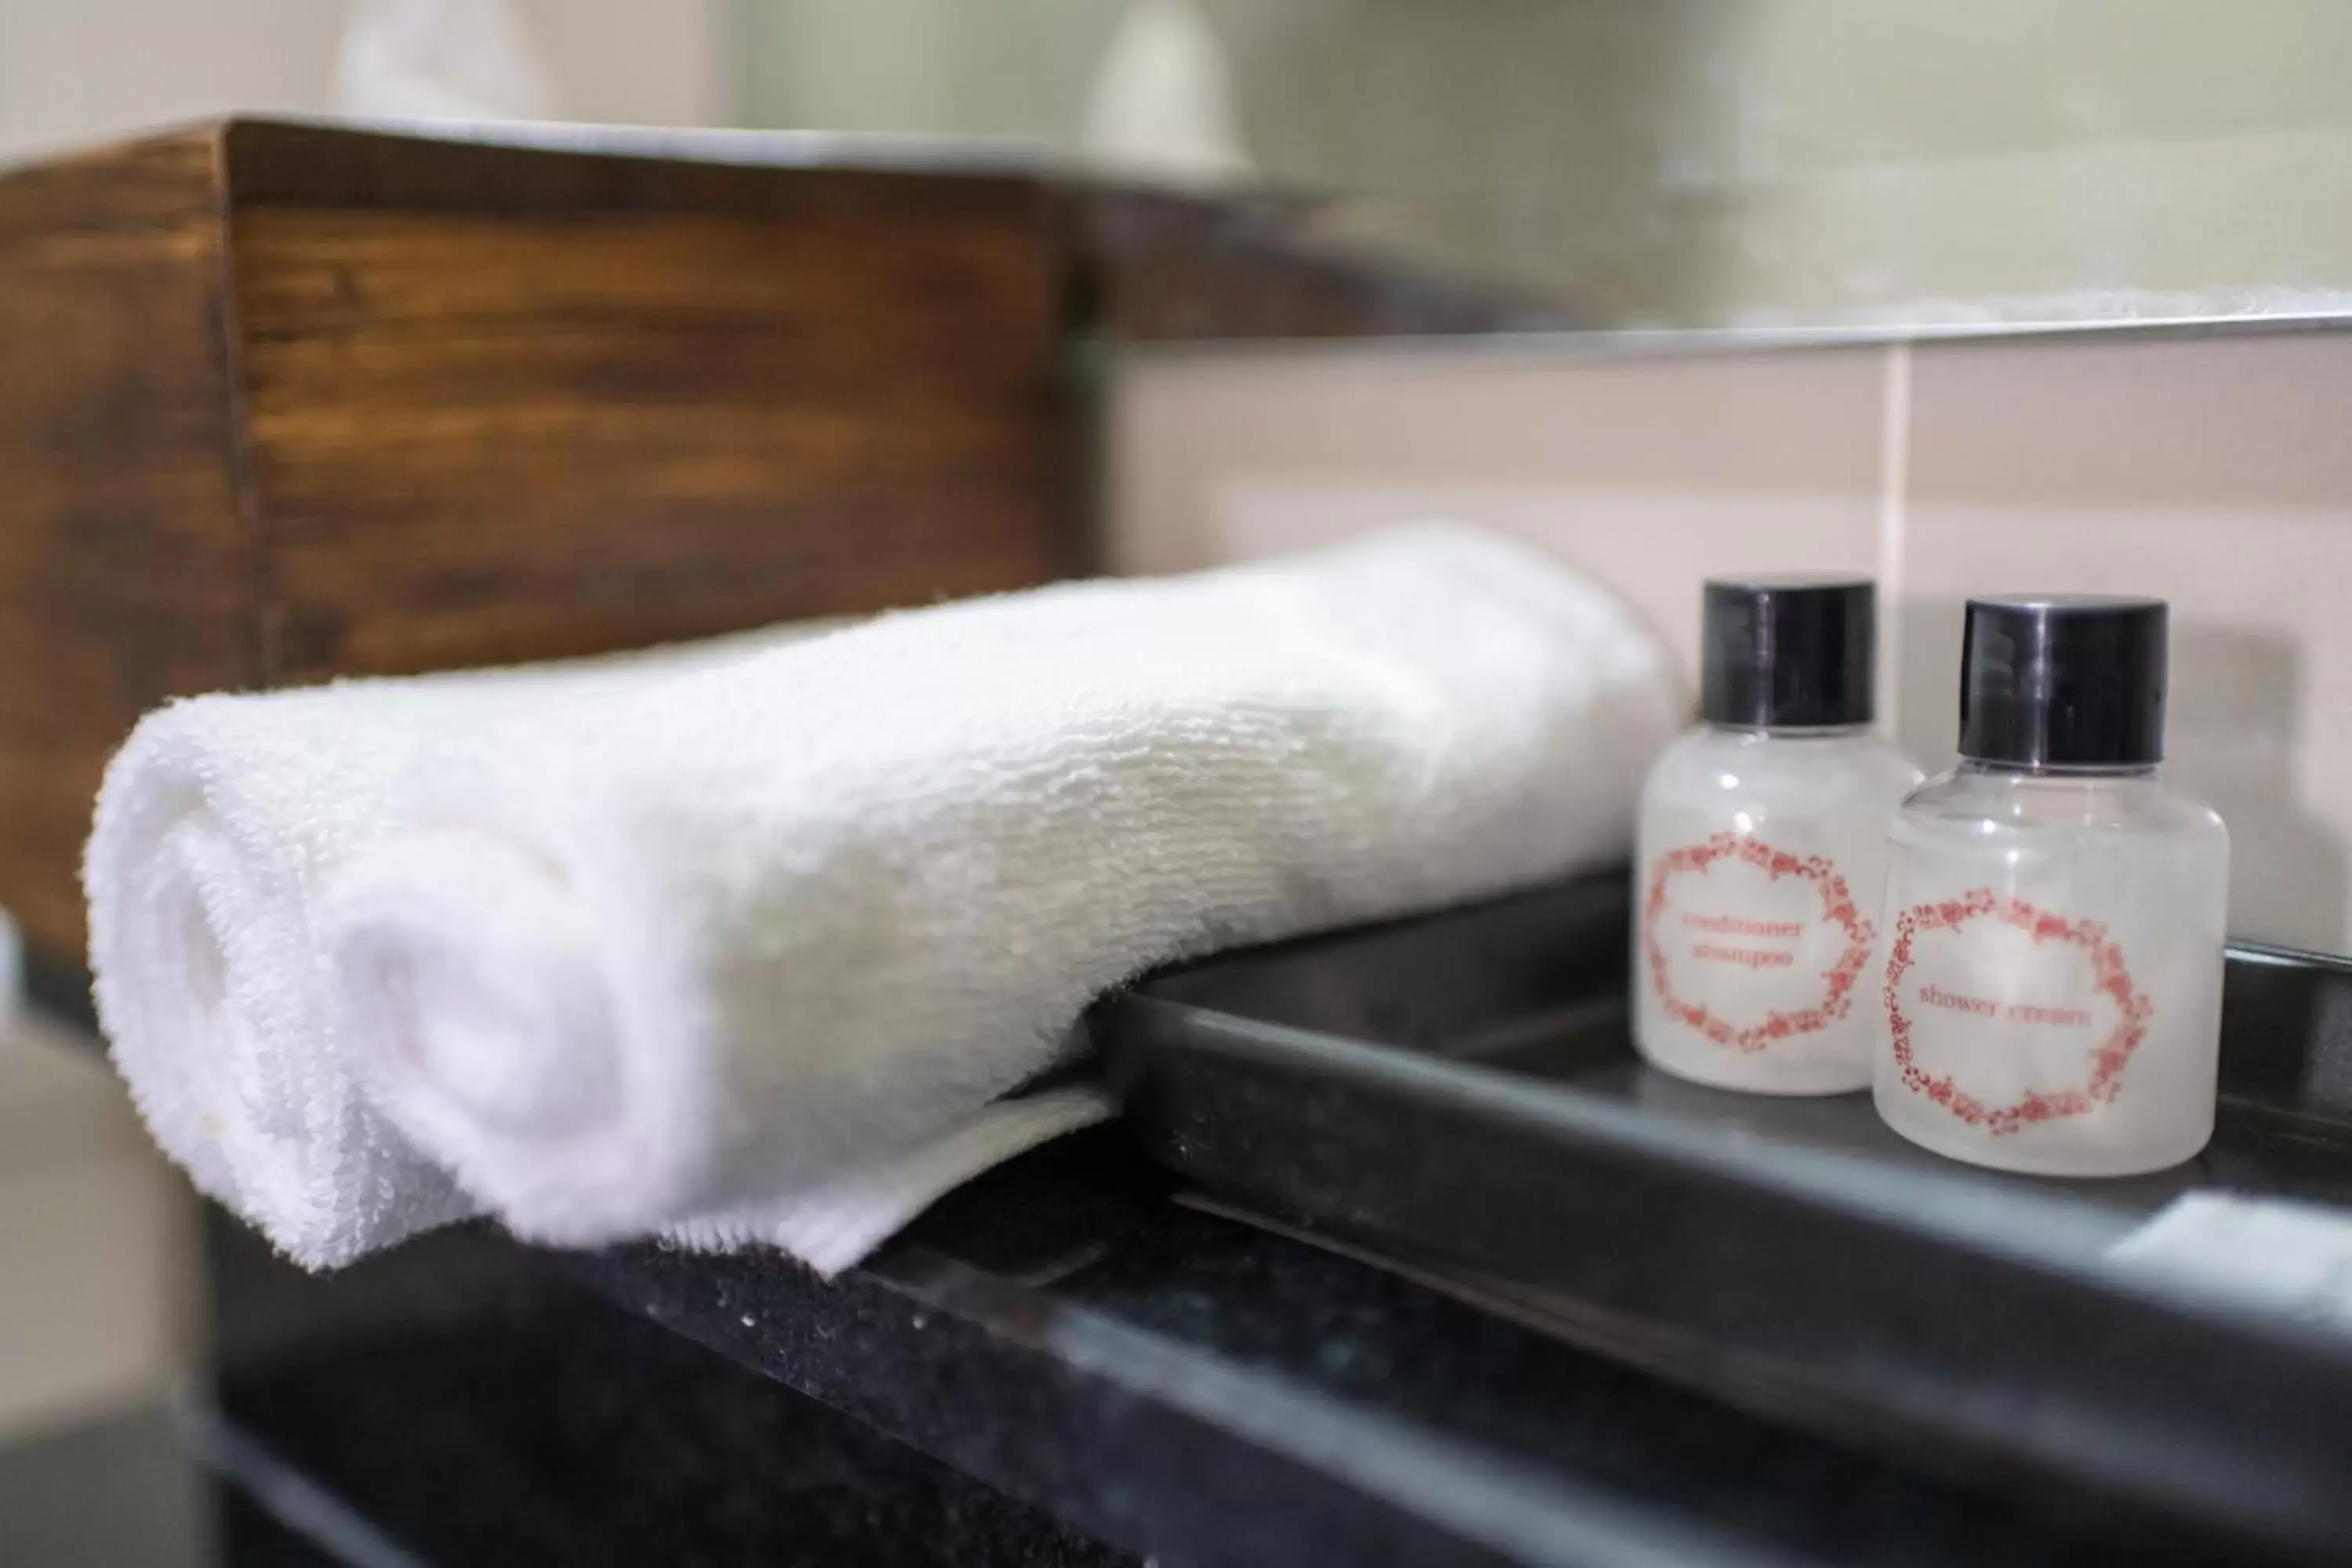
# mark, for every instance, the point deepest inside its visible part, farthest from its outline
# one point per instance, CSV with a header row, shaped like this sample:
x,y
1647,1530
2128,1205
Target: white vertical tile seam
x,y
1894,487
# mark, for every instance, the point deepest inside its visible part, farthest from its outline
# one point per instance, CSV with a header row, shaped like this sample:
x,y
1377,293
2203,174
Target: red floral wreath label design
x,y
2109,975
1837,908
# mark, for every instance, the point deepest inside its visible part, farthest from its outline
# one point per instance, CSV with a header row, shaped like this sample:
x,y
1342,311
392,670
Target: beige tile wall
x,y
2210,471
1648,476
2215,473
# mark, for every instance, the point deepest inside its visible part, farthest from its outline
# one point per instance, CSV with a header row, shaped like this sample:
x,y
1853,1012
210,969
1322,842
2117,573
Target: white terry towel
x,y
751,947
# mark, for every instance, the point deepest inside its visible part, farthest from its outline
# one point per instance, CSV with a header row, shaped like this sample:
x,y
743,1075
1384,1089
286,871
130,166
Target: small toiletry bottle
x,y
1762,848
2050,998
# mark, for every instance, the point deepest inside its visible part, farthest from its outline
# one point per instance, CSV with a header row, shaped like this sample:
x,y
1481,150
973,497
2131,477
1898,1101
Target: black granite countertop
x,y
1067,1361
1064,1362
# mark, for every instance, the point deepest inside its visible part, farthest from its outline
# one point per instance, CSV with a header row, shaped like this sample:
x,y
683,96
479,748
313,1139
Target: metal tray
x,y
1457,1094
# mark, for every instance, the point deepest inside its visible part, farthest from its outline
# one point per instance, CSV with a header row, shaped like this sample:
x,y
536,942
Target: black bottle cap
x,y
1790,653
2063,680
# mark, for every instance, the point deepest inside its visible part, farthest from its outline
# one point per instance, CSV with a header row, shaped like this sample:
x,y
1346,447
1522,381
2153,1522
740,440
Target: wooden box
x,y
280,402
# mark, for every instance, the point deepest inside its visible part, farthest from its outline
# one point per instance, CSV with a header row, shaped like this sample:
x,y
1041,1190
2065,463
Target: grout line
x,y
1893,485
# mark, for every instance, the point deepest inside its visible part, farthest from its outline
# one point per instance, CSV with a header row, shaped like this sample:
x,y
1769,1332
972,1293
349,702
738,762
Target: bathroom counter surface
x,y
1149,1380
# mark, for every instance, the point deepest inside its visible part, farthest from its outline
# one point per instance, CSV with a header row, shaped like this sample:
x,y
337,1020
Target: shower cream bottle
x,y
2049,997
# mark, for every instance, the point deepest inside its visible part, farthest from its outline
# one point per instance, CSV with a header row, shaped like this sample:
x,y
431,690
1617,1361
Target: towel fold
x,y
759,944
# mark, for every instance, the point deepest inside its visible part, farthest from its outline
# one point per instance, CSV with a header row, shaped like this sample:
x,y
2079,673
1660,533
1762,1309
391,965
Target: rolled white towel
x,y
752,948
217,822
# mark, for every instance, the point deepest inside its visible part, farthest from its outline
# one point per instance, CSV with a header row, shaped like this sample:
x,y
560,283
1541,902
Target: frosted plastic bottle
x,y
1762,848
2049,991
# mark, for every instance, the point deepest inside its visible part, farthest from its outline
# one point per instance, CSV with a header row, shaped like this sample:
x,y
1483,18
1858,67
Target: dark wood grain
x,y
478,438
123,565
1163,266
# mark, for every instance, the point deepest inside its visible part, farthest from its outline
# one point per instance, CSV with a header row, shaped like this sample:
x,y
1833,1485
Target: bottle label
x,y
1748,944
2007,1016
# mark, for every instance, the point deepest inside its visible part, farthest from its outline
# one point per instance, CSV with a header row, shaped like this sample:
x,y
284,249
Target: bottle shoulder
x,y
1709,769
1982,804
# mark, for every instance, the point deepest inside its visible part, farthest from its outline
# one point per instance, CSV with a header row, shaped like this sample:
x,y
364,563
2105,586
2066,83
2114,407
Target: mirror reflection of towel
x,y
1163,105
441,59
2289,1256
